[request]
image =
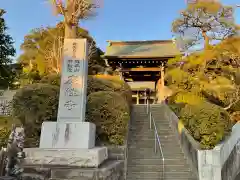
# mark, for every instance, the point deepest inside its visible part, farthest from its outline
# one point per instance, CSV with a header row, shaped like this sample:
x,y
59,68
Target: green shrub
x,y
207,123
4,135
53,79
110,113
110,83
235,107
98,83
34,104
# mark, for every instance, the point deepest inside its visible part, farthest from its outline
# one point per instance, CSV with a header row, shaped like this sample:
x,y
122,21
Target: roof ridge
x,y
139,42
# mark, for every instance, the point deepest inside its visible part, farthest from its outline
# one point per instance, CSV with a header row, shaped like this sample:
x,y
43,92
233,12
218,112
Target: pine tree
x,y
6,52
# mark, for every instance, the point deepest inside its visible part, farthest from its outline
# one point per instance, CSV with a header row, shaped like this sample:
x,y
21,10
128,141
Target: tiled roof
x,y
141,49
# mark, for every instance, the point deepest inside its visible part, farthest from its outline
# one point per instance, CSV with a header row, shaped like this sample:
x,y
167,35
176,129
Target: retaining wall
x,y
220,163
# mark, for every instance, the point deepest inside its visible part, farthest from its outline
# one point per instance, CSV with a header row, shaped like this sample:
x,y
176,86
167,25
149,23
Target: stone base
x,y
64,135
66,157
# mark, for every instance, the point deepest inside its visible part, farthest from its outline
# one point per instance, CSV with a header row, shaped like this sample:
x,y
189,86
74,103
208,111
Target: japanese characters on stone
x,y
73,84
70,105
73,66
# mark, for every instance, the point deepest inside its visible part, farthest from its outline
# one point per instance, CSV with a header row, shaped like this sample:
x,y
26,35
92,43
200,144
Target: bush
x,y
235,107
207,123
98,83
114,84
110,113
35,104
235,117
4,135
53,79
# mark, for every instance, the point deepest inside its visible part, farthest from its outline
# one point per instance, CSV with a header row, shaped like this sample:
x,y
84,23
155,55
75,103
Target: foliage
x,y
43,48
7,51
34,104
235,117
4,135
117,85
6,123
97,83
204,76
207,123
110,113
53,79
206,21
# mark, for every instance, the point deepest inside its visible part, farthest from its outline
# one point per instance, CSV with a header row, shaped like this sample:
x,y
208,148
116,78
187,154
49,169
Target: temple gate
x,y
142,65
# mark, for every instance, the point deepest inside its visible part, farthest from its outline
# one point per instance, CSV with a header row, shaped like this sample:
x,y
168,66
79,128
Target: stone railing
x,y
220,163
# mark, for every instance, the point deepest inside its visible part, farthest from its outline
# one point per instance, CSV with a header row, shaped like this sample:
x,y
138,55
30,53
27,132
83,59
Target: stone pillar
x,y
71,126
162,91
137,97
120,72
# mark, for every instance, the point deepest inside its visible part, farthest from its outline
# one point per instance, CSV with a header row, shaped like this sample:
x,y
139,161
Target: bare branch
x,y
59,7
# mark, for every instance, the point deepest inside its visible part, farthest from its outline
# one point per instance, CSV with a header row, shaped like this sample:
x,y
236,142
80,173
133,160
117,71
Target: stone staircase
x,y
143,162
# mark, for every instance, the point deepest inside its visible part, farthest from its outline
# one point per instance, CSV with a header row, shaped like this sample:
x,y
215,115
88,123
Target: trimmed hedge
x,y
33,105
98,83
207,123
108,107
4,135
110,113
53,79
110,83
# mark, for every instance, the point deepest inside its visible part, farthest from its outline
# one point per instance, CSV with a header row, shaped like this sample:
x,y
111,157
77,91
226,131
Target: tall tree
x,y
204,20
6,52
217,80
73,11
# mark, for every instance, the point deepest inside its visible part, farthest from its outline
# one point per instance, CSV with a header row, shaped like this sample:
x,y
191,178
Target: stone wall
x,y
220,163
5,99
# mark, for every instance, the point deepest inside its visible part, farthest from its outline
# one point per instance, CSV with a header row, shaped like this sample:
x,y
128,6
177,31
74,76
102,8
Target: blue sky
x,y
116,20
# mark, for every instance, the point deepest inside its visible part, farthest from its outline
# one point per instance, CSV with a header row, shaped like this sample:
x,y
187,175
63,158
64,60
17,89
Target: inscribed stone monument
x,y
71,130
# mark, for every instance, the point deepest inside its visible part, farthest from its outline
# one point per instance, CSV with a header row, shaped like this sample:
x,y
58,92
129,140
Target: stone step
x,y
151,154
156,161
30,176
163,134
159,168
147,122
150,143
150,136
163,130
159,175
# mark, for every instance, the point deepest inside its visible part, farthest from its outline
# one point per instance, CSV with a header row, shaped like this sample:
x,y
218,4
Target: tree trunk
x,y
206,39
70,31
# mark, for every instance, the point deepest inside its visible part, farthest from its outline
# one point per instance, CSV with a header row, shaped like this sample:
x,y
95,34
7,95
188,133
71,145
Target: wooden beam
x,y
140,69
